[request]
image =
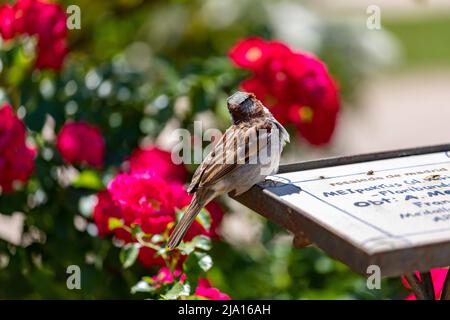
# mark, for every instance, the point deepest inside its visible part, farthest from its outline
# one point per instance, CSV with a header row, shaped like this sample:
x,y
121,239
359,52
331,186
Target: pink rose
x,y
148,257
250,53
46,21
103,211
205,290
296,86
16,158
157,162
7,22
81,143
152,202
165,276
142,196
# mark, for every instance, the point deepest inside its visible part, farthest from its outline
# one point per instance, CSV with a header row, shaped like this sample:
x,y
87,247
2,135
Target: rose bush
x,y
140,208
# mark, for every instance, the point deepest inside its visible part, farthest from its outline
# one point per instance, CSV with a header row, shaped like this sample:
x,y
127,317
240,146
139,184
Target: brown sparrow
x,y
245,155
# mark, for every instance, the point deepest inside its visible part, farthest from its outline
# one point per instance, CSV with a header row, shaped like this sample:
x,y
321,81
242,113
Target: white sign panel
x,y
377,206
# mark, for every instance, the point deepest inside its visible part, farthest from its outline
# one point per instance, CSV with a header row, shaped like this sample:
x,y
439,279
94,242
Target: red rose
x,y
139,199
16,158
295,86
51,55
7,22
165,276
197,229
315,125
81,143
103,211
152,202
216,212
205,290
250,53
213,208
148,201
278,105
38,18
157,162
149,258
154,224
142,197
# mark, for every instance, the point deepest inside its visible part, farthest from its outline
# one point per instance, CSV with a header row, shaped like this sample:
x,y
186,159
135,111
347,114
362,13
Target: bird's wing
x,y
284,135
212,159
238,142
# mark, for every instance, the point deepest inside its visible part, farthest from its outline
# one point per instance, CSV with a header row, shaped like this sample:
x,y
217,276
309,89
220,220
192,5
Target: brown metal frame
x,y
392,263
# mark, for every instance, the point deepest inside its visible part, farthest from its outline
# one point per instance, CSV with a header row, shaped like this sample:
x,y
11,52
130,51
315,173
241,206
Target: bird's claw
x,y
269,183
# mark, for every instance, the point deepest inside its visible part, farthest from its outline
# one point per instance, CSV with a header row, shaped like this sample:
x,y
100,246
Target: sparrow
x,y
245,155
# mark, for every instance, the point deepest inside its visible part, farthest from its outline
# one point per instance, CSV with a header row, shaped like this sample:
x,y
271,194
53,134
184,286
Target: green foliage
x,y
278,271
88,179
422,40
129,254
178,290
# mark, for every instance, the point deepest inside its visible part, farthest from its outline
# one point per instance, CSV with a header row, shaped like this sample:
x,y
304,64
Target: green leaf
x,y
88,179
202,242
186,248
179,213
199,242
87,204
204,218
178,290
20,67
135,230
204,261
142,286
191,267
129,254
114,223
161,251
157,238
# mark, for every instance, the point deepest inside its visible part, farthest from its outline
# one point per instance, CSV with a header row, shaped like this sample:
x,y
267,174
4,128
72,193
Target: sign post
x,y
388,209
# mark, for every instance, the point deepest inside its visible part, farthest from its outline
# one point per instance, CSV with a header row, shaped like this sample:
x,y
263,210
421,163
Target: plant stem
x,y
416,286
446,289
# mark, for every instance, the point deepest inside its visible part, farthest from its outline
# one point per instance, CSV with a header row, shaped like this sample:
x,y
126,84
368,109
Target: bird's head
x,y
244,106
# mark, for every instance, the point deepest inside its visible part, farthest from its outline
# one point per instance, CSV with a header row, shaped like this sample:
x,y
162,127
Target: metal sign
x,y
387,209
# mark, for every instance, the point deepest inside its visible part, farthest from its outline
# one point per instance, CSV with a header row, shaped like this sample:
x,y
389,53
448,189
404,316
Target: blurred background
x,y
139,69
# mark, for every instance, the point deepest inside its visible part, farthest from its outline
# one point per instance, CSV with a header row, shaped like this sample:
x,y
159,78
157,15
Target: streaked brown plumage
x,y
234,163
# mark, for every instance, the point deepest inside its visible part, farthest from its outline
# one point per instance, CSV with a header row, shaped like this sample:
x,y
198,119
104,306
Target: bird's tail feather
x,y
197,203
